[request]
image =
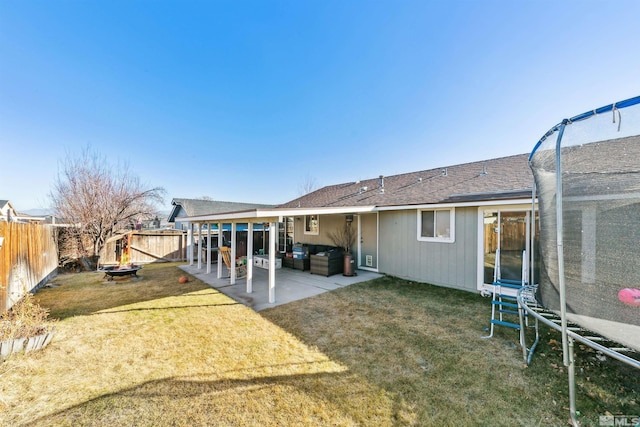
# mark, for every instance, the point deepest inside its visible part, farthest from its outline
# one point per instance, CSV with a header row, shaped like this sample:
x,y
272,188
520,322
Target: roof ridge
x,y
500,174
181,199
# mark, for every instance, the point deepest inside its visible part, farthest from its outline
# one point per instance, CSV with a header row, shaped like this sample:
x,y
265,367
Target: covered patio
x,y
269,220
292,284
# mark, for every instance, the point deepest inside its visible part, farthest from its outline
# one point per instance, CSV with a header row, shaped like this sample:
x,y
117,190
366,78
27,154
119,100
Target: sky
x,y
251,101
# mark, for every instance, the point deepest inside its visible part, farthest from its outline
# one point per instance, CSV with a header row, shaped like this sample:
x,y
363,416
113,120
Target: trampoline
x,y
587,184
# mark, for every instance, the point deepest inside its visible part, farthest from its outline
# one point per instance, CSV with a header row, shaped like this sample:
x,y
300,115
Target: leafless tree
x,y
307,186
344,237
100,199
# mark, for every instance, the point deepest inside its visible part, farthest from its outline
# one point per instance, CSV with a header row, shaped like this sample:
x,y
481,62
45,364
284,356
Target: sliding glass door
x,y
506,239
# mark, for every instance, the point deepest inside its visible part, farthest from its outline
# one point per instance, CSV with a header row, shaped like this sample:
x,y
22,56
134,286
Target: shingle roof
x,y
194,207
505,177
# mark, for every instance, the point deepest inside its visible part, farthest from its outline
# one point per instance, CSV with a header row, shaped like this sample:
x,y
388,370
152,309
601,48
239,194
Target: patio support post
x,y
232,273
190,243
220,243
199,225
272,261
208,247
250,257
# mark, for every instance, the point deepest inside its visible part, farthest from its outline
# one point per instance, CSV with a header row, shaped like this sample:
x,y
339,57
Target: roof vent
x,y
362,189
381,183
484,170
420,179
444,172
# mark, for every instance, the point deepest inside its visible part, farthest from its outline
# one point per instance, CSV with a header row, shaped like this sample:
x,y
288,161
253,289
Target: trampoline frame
x,y
527,301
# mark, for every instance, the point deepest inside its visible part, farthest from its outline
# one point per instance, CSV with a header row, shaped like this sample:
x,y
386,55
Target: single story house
x,y
181,208
7,212
443,226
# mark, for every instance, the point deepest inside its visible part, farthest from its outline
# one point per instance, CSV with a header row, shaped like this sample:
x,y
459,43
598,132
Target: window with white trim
x,y
436,225
311,224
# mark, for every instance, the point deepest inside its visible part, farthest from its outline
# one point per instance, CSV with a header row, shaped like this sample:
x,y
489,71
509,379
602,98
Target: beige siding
x,y
369,239
328,223
445,264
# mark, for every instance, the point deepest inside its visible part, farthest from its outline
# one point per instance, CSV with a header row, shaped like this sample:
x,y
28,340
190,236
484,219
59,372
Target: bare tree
x,y
344,237
307,186
100,199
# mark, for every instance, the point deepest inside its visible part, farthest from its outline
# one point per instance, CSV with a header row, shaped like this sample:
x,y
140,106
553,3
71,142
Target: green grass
x,y
386,352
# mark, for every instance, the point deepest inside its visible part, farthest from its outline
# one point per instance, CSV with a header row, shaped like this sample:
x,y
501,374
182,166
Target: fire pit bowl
x,y
110,272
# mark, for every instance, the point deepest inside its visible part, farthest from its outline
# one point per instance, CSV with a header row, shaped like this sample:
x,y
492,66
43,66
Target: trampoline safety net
x,y
587,179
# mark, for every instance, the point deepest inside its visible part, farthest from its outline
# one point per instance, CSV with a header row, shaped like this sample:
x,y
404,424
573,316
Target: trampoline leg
x,y
572,384
523,341
535,343
527,353
493,315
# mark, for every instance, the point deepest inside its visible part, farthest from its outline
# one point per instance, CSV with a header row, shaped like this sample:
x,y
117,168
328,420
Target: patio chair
x,y
241,268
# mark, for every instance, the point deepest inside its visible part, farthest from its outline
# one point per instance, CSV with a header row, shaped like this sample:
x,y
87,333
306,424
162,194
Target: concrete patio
x,y
291,285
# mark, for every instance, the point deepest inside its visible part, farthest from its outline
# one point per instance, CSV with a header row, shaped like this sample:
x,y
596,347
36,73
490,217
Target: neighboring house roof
x,y
7,212
5,204
192,207
494,179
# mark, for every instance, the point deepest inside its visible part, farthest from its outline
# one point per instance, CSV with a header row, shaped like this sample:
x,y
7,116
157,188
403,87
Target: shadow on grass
x,y
179,401
422,342
77,294
164,308
413,355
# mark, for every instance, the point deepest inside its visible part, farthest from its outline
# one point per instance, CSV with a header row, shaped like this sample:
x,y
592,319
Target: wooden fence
x,y
146,246
513,237
28,258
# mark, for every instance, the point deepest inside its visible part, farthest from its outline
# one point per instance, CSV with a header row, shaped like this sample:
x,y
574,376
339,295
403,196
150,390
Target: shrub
x,y
25,319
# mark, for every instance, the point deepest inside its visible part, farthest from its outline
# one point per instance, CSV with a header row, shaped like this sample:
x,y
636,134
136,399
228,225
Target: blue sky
x,y
246,100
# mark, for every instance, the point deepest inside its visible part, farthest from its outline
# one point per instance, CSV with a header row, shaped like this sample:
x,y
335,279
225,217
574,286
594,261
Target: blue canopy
x,y
239,227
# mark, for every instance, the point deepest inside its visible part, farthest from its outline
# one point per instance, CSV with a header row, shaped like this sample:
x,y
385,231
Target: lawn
x,y
387,352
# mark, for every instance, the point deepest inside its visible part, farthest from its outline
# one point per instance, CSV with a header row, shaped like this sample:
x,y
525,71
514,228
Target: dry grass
x,y
25,319
388,352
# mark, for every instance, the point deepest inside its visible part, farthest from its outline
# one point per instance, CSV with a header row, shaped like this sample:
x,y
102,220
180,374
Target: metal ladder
x,y
506,303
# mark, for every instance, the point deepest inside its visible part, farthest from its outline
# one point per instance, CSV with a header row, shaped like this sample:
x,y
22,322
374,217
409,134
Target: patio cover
x,y
272,216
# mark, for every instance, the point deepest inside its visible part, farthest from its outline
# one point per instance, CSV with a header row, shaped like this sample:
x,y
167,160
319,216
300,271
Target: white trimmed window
x,y
311,224
436,225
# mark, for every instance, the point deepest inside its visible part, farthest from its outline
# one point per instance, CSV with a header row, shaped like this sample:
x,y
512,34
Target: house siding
x,y
451,265
368,240
181,225
328,224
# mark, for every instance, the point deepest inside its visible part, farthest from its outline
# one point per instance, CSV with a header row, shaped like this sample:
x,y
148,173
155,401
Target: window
x,y
436,225
311,224
285,234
